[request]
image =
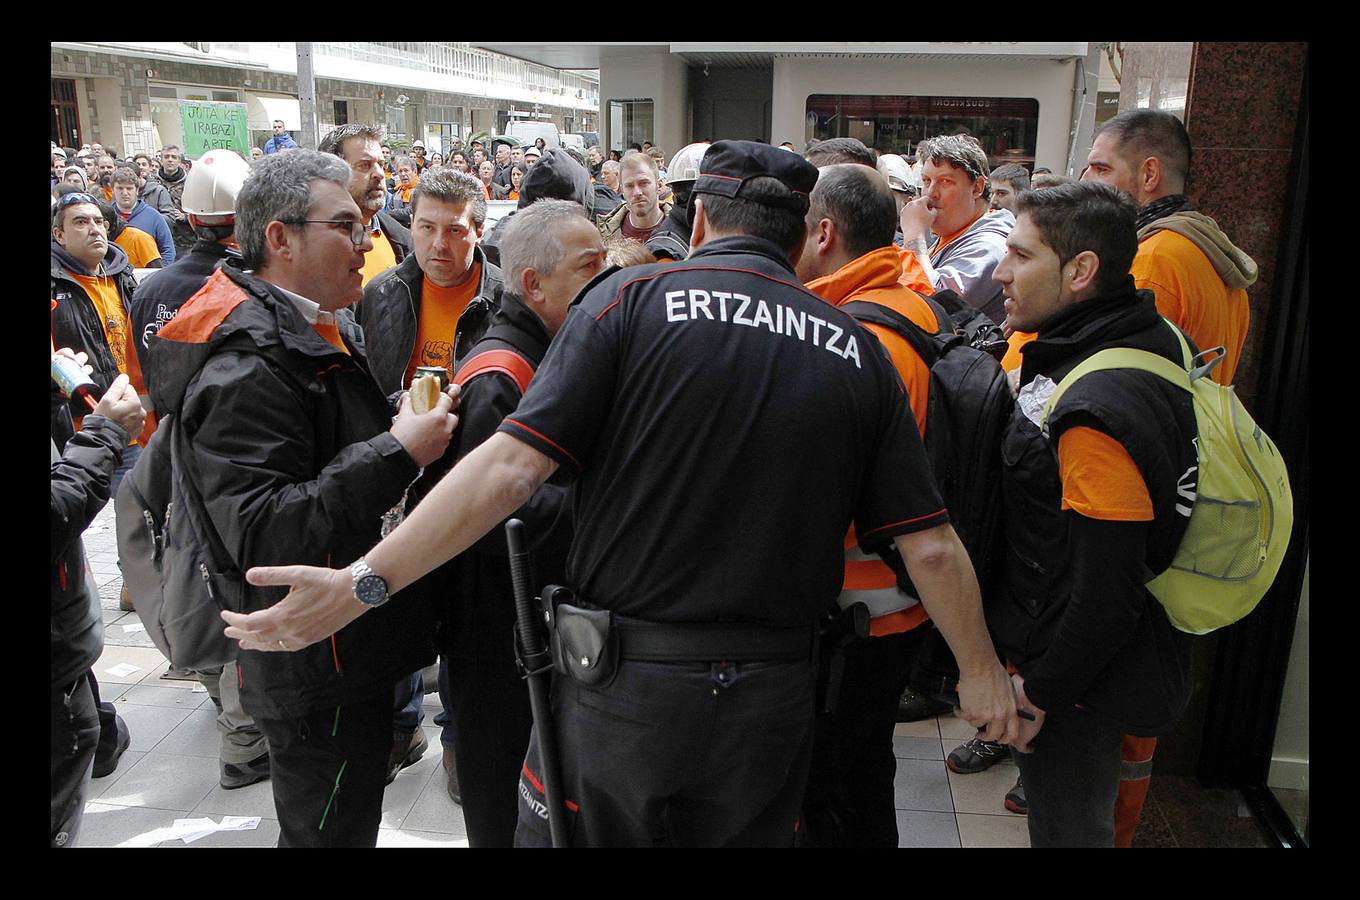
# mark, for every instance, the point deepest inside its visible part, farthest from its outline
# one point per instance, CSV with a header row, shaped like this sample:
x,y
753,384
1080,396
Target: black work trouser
x,y
1072,779
328,770
849,799
75,735
678,754
491,718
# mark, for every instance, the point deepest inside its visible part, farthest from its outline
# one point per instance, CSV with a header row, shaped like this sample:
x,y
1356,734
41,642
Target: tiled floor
x,y
170,770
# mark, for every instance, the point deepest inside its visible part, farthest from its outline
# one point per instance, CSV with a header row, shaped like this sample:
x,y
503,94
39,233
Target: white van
x,y
528,131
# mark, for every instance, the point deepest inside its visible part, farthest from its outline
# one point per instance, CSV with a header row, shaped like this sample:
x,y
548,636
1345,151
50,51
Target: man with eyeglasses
x,y
361,147
293,449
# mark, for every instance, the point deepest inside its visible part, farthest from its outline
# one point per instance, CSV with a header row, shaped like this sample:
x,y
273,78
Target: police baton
x,y
535,665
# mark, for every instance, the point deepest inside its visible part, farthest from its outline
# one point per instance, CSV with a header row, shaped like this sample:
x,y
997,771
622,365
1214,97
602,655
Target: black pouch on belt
x,y
585,645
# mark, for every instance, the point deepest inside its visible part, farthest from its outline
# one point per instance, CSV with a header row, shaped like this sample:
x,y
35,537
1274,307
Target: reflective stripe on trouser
x,y
880,600
1135,774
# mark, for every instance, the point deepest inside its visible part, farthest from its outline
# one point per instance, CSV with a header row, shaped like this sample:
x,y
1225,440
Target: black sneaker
x,y
106,761
976,755
1015,799
407,749
234,776
917,707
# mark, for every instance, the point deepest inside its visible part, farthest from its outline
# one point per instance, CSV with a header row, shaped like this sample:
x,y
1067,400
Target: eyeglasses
x,y
76,197
357,229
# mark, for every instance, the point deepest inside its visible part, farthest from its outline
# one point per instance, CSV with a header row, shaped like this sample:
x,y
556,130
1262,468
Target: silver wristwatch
x,y
369,586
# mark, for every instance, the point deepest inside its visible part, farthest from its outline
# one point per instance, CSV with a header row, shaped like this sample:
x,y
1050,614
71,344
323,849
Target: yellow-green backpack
x,y
1243,509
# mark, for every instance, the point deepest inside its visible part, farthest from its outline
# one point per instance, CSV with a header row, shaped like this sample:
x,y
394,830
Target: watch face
x,y
371,589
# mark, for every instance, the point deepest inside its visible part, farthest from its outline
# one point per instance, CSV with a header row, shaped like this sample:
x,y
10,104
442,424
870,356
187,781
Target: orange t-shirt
x,y
1192,294
1099,478
103,292
378,260
440,308
1012,360
140,247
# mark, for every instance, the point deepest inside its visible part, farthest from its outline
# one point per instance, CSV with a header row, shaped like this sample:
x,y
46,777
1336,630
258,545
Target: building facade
x,y
140,96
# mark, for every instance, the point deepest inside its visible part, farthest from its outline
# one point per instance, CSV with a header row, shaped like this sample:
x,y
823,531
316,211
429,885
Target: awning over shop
x,y
263,109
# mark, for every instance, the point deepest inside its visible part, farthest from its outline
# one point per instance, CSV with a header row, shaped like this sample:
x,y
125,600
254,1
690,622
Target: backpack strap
x,y
943,320
877,314
1118,358
506,362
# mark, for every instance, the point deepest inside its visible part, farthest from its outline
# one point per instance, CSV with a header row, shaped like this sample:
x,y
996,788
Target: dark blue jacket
x,y
280,142
143,216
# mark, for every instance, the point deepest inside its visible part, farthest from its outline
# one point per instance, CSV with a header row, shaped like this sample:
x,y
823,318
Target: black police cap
x,y
728,165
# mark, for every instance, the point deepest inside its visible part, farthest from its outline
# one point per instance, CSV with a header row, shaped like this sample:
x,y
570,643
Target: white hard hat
x,y
684,165
211,186
901,176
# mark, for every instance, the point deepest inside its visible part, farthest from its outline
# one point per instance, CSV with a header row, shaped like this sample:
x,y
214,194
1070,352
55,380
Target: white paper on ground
x,y
190,830
240,823
133,628
198,689
122,670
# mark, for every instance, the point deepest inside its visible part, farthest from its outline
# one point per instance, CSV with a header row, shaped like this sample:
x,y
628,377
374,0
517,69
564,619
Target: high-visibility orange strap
x,y
506,362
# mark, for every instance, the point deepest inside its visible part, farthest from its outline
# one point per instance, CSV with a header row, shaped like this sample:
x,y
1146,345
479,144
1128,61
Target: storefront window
x,y
630,122
1007,127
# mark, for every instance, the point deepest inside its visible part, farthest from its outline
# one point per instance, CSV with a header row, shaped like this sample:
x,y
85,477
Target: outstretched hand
x,y
319,603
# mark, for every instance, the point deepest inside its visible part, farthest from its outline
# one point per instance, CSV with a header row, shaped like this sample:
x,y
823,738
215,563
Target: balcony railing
x,y
455,59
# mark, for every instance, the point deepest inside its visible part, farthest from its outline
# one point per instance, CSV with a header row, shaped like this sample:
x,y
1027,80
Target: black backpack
x,y
977,328
170,555
966,413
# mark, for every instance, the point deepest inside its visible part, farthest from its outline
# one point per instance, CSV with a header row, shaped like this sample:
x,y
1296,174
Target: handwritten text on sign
x,y
213,126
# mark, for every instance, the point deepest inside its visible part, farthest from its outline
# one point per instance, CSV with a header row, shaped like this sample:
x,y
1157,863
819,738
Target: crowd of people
x,y
666,370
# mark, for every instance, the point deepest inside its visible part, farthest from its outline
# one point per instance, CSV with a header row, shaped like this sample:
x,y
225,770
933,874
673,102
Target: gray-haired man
x,y
292,448
550,251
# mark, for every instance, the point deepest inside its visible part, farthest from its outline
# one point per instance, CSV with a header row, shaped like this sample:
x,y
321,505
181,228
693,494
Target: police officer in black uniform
x,y
725,426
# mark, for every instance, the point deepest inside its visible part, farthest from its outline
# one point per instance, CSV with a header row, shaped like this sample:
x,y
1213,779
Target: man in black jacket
x,y
92,285
171,175
427,311
360,147
80,487
551,251
1091,503
210,205
401,326
293,448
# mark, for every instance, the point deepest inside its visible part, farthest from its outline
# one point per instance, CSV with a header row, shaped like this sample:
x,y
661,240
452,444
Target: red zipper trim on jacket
x,y
61,576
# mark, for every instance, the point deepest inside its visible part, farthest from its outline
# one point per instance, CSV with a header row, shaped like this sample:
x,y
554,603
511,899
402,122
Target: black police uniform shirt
x,y
726,425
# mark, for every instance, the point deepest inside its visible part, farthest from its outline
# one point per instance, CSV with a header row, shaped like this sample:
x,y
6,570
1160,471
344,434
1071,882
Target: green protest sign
x,y
213,126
